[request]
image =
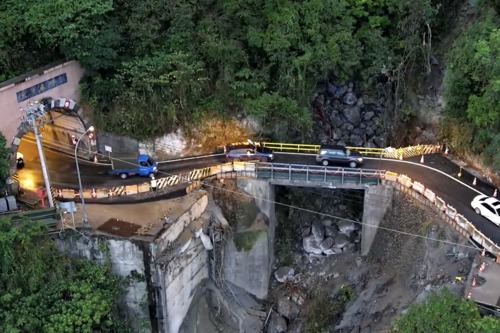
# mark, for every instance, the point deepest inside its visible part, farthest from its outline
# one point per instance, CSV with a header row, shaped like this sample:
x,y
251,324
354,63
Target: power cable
x,y
308,210
401,232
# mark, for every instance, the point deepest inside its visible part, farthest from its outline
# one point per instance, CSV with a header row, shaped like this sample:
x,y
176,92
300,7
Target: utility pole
x,y
34,112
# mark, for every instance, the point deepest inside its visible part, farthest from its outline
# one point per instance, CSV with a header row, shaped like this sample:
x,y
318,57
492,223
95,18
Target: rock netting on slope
x,y
344,117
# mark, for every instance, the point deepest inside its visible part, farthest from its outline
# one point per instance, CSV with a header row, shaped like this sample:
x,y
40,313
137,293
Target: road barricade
x,y
144,187
391,176
101,193
419,187
131,190
441,204
461,221
451,212
405,181
430,195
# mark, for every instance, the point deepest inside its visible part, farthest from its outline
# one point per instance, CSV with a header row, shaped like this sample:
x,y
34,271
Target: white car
x,y
488,207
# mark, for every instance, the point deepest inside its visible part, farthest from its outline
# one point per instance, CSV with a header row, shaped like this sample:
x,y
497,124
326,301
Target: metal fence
x,y
397,153
321,174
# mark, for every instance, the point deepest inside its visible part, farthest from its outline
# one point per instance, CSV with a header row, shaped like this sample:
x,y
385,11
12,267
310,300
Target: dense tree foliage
x,y
445,313
41,290
154,65
473,89
4,160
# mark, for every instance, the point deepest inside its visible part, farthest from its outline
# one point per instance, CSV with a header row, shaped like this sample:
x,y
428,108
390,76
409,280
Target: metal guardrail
x,y
312,173
446,212
48,216
397,153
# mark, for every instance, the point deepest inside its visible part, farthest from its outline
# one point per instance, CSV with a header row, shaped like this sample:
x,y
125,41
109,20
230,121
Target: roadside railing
x,y
297,172
448,213
396,153
313,173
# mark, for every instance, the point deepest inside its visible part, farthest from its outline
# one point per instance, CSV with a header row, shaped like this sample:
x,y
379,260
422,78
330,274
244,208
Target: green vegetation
x,y
473,89
155,65
245,240
324,311
4,160
445,313
41,290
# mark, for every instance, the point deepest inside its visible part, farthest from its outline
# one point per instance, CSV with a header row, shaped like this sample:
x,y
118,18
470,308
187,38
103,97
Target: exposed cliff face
x,y
249,209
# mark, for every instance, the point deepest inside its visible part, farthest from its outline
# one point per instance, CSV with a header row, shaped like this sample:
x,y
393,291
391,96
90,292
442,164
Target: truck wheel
x,y
123,175
352,164
324,162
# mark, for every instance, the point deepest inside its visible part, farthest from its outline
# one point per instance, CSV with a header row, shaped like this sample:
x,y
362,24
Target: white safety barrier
x,y
430,195
406,181
419,187
441,204
450,214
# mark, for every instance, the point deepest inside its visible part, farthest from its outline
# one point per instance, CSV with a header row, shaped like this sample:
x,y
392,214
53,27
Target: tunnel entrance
x,y
59,126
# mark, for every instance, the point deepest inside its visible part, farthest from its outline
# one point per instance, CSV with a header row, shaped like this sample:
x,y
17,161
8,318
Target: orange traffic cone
x,y
110,193
469,295
482,267
422,159
474,182
94,194
95,158
473,284
483,253
446,151
495,193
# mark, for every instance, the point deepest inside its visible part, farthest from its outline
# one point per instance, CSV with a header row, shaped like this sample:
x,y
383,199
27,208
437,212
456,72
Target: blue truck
x,y
141,165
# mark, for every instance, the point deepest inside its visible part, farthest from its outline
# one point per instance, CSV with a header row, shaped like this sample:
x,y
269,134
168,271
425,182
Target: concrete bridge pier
x,y
377,200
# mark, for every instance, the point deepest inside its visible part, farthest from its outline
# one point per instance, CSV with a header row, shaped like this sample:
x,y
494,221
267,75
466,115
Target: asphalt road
x,y
442,180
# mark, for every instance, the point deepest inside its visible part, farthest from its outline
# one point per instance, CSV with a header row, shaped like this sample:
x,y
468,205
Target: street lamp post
x,y
34,112
85,221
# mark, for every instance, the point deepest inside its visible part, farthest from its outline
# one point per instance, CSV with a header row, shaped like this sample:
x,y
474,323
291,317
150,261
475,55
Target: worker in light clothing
x,y
153,183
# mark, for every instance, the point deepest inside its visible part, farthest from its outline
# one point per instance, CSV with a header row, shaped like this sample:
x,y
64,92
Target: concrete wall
x,y
377,200
125,257
251,270
9,105
178,282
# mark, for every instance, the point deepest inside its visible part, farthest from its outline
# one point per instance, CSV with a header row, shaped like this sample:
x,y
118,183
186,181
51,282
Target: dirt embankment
x,y
346,293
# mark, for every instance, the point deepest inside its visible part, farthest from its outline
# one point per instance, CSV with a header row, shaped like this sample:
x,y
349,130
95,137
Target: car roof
x,y
492,201
486,199
333,147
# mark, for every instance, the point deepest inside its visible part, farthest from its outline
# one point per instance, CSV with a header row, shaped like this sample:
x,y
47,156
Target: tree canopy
x,y
473,89
154,65
42,290
4,160
445,313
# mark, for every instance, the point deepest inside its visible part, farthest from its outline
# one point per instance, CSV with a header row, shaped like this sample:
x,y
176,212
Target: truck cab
x,y
141,165
147,165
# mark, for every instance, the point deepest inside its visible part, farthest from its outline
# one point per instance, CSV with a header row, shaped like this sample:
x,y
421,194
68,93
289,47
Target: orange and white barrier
x,y
495,193
93,194
474,182
144,187
131,190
